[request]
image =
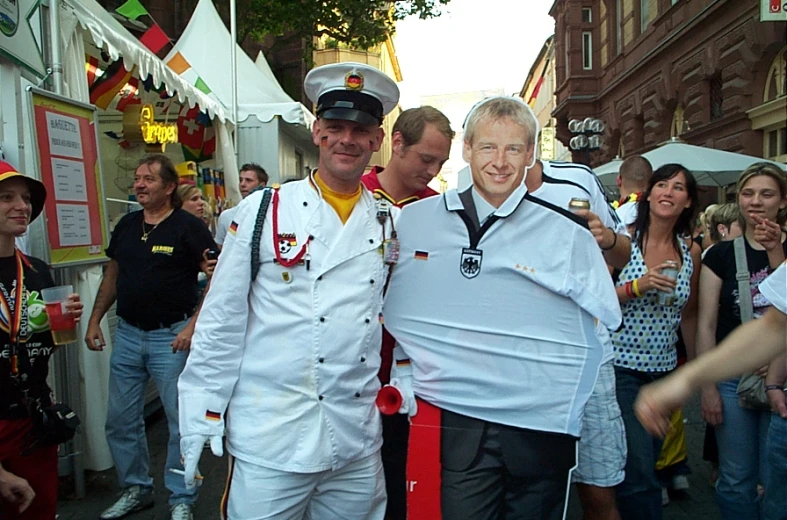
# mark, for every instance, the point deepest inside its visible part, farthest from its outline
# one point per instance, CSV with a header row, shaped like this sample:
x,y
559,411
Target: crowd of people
x,y
531,331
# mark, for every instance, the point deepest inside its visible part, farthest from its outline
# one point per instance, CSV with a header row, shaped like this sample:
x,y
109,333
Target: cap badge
x,y
353,80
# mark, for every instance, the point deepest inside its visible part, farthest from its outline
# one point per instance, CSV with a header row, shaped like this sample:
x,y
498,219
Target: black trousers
x,y
396,431
502,472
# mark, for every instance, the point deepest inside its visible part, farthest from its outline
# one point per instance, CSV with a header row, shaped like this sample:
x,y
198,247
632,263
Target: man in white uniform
x,y
289,358
602,445
251,177
494,301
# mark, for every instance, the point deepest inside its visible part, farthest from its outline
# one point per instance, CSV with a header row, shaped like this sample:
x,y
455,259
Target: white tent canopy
x,y
109,34
710,167
206,45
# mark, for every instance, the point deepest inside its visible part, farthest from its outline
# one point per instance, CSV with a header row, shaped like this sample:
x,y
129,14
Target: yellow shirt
x,y
342,203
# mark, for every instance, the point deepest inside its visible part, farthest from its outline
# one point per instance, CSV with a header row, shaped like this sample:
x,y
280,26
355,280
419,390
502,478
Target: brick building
x,y
707,71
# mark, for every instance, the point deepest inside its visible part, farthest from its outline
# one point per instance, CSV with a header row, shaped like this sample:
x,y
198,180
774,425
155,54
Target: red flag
x,y
154,38
128,95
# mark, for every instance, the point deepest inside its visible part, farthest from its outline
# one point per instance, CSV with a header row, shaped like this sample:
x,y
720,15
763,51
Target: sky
x,y
473,45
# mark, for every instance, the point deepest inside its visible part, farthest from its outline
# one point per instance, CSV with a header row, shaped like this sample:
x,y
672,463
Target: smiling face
x,y
419,163
669,197
761,196
15,207
498,155
345,149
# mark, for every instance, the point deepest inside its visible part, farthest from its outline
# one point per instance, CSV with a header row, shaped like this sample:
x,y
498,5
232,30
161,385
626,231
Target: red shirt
x,y
372,183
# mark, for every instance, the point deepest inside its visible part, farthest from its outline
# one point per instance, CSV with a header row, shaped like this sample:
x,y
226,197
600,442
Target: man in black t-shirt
x,y
155,255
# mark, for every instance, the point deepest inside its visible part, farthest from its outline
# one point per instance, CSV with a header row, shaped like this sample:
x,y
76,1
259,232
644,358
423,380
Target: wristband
x,y
635,288
629,291
774,387
614,241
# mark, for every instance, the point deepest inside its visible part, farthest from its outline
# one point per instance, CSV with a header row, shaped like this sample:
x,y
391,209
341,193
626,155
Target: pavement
x,y
695,504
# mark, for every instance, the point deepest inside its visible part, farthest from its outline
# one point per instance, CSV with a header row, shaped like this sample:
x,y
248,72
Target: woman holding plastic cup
x,y
25,347
658,294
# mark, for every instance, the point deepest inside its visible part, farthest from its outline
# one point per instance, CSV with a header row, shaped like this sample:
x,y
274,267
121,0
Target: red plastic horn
x,y
389,400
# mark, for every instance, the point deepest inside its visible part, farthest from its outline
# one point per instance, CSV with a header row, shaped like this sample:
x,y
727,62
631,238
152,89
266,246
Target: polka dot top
x,y
646,341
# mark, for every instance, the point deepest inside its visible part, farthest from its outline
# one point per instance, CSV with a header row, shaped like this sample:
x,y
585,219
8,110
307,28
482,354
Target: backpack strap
x,y
742,277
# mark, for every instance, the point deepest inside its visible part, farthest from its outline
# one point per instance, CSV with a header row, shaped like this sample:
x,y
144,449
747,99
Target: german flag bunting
x,y
106,87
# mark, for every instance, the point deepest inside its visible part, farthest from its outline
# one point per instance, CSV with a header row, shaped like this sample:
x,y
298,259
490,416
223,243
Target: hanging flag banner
x,y
68,162
105,88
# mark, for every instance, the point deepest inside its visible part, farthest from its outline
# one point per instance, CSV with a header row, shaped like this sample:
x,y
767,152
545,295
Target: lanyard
x,y
15,317
287,262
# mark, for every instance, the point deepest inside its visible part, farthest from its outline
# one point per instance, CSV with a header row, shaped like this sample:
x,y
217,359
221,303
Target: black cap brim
x,y
350,114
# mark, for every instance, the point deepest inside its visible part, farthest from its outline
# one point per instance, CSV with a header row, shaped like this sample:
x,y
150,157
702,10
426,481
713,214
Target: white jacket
x,y
293,363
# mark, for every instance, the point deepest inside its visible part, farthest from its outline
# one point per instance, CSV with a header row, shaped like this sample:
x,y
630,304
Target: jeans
x,y
639,495
741,439
774,506
136,356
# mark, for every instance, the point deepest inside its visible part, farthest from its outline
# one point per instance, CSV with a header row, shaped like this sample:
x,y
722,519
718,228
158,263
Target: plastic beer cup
x,y
61,324
671,271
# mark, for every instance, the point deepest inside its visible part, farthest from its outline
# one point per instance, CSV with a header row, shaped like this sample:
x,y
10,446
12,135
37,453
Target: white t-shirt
x,y
774,288
225,219
628,212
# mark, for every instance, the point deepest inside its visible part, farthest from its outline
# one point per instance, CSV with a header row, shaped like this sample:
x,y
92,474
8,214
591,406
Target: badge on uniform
x,y
286,276
470,263
391,251
286,242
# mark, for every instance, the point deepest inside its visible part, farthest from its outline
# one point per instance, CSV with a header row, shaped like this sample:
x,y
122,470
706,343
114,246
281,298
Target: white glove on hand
x,y
191,447
405,386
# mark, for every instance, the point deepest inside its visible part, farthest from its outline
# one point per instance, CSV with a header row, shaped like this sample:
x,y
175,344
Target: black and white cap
x,y
351,91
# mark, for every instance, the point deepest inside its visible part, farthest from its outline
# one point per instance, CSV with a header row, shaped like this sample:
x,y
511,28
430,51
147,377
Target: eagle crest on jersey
x,y
470,263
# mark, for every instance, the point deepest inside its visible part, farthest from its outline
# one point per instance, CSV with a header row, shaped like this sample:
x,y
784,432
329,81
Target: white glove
x,y
402,379
405,386
191,447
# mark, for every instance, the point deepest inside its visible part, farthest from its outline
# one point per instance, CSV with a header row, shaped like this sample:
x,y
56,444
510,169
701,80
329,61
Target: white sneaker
x,y
134,498
664,496
181,512
680,482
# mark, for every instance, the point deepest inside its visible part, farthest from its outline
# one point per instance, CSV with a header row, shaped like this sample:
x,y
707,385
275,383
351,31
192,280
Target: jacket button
x,y
319,278
371,241
367,320
320,398
371,281
311,237
305,203
322,318
357,394
363,360
321,360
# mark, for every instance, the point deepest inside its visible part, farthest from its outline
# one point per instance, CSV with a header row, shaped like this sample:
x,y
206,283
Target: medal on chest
x,y
390,246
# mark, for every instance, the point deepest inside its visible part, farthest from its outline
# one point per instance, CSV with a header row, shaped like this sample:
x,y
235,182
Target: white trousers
x,y
354,492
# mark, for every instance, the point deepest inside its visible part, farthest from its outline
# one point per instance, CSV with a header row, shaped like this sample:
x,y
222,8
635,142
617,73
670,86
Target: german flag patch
x,y
212,416
233,227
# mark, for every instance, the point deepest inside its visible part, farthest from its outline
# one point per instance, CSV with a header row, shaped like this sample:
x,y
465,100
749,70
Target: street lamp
x,y
587,135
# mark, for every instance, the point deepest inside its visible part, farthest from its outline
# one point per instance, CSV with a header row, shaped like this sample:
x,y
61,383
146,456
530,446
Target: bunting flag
x,y
180,65
132,10
532,101
162,104
105,88
196,135
121,140
154,38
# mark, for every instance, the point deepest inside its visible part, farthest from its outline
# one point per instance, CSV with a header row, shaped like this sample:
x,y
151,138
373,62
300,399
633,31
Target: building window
x,y
587,50
618,27
648,10
776,82
675,2
776,143
587,15
716,97
567,58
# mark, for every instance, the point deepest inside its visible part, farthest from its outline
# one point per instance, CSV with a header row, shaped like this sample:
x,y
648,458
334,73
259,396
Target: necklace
x,y
146,234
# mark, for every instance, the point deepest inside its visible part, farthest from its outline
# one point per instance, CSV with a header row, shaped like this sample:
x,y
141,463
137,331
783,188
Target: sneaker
x,y
134,498
181,512
680,483
664,496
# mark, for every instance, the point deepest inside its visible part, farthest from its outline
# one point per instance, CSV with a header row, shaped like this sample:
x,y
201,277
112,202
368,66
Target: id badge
x,y
391,251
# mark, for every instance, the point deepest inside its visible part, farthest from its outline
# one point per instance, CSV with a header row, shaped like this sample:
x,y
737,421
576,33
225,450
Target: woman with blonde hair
x,y
741,432
192,199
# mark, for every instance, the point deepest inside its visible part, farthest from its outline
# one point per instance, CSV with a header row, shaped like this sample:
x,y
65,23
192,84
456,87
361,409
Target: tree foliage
x,y
360,24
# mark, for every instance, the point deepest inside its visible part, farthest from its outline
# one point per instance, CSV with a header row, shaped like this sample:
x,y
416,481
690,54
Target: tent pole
x,y
234,65
57,64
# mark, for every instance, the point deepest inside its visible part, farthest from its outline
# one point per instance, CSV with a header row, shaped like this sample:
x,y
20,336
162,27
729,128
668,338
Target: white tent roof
x,y
109,34
206,45
710,167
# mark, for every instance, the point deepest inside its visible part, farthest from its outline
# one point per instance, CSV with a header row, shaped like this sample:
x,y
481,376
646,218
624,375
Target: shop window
x,y
716,97
587,15
587,50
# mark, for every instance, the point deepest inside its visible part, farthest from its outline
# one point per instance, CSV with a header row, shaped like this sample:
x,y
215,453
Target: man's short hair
x,y
498,108
636,171
724,214
262,175
168,173
412,122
